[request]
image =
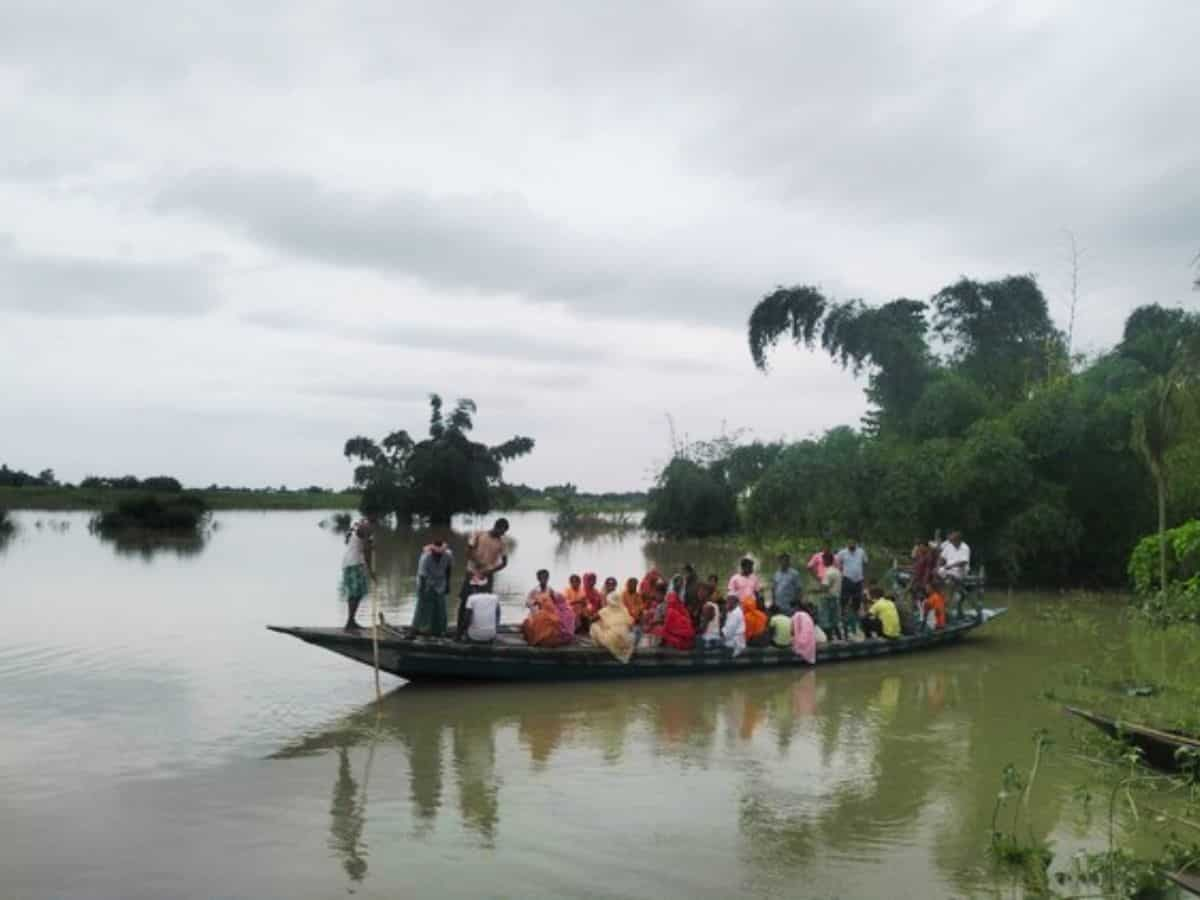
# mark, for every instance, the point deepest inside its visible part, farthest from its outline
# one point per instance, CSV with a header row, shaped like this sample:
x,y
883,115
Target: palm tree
x,y
1162,422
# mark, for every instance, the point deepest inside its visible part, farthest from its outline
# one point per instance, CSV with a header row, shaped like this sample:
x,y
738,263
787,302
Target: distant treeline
x,y
522,496
154,484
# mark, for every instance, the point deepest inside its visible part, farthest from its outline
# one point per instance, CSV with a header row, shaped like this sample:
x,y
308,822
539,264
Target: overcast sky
x,y
233,235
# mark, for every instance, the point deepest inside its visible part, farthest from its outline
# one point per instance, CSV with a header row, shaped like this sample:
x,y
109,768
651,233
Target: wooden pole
x,y
375,637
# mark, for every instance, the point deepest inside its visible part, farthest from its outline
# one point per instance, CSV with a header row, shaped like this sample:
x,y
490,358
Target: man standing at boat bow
x,y
486,555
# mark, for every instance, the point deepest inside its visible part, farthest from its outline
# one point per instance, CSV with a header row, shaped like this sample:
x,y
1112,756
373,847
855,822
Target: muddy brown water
x,y
158,741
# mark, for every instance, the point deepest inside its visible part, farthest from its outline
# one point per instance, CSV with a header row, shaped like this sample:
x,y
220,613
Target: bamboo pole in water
x,y
375,637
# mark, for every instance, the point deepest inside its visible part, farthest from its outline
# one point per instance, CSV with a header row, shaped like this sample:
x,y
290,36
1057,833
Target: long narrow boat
x,y
1189,881
509,658
1160,749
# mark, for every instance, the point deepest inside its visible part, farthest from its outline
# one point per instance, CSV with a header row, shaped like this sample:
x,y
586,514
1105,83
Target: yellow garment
x,y
885,610
613,628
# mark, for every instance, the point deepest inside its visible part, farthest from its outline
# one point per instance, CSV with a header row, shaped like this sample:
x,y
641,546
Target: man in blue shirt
x,y
852,560
786,586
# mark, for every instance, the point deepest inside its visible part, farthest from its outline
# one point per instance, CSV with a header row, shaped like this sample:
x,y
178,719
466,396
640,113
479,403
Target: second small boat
x,y
1167,751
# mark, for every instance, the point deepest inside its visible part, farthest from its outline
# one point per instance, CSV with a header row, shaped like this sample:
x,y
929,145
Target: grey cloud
x,y
490,243
72,286
446,337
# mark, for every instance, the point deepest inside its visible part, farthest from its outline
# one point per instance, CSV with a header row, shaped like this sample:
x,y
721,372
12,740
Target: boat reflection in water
x,y
816,767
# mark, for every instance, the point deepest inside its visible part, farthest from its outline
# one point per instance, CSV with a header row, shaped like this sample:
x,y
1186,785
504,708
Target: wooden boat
x,y
509,658
1189,881
1160,749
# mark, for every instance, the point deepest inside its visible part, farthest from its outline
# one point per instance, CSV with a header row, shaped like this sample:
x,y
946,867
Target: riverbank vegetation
x,y
434,478
21,490
980,420
522,497
573,518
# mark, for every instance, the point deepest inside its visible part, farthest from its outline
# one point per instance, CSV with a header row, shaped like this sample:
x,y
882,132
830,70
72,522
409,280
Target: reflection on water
x,y
823,768
348,815
145,708
147,544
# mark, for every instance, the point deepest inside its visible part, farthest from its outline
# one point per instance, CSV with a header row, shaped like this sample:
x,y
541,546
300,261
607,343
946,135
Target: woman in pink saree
x,y
804,635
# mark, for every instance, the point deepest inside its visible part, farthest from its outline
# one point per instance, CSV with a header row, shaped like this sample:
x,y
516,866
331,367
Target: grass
x,y
60,498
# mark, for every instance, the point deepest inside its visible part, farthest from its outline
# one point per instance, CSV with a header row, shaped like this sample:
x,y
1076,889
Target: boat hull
x,y
509,659
1160,749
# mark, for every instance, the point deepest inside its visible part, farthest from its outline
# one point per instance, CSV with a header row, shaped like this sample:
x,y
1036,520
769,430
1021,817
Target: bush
x,y
1183,560
185,512
690,501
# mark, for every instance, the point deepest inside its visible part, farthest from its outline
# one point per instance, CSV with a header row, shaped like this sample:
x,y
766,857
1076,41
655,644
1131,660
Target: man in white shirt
x,y
954,557
954,562
481,618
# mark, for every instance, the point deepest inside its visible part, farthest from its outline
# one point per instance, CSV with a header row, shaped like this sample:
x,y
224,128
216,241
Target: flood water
x,y
157,741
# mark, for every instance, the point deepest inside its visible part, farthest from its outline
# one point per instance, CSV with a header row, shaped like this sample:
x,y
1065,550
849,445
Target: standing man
x,y
433,589
852,560
746,582
486,555
357,567
954,561
786,587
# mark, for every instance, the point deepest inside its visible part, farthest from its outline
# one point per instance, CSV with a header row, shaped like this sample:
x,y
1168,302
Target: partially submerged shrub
x,y
182,512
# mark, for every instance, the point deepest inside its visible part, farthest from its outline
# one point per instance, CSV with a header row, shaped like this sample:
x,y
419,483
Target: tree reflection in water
x,y
149,544
812,766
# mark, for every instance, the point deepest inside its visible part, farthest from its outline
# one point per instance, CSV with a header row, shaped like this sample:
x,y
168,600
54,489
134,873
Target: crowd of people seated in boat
x,y
687,612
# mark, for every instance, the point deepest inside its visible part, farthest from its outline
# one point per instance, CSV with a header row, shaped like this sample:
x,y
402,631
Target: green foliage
x,y
17,478
890,340
948,406
151,512
1000,333
690,500
435,478
1013,841
163,483
992,433
1183,560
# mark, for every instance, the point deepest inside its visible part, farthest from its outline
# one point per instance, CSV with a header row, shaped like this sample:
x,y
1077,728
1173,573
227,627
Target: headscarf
x,y
612,628
804,637
677,629
756,619
653,577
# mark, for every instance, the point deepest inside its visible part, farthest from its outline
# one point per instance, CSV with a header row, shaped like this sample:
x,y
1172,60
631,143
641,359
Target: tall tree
x,y
888,340
1166,344
999,333
434,478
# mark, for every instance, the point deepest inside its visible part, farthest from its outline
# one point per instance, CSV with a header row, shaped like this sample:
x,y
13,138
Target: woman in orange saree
x,y
756,619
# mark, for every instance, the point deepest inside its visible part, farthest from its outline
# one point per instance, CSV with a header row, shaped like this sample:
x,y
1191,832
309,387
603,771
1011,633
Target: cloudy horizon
x,y
236,235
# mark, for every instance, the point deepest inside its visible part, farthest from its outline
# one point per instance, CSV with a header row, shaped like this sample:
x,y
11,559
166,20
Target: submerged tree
x,y
444,474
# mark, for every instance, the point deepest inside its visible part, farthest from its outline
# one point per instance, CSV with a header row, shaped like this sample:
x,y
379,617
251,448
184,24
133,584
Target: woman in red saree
x,y
649,580
677,630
